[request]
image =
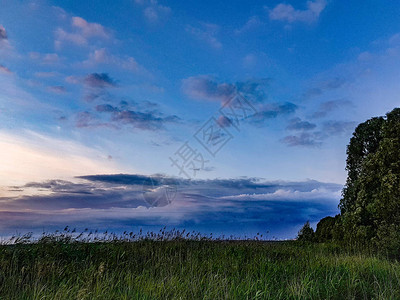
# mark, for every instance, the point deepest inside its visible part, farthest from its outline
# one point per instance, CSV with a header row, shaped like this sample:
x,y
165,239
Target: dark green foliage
x,y
366,139
370,207
325,229
306,233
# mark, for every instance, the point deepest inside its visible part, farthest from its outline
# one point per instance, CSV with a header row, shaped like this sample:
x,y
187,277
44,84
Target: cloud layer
x,y
237,206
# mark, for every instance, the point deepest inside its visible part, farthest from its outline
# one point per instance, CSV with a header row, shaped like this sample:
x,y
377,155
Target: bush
x,y
325,228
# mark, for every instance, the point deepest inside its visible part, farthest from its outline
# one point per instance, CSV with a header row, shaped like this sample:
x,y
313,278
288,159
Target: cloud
x,y
101,56
206,87
99,80
87,119
298,124
124,179
143,115
153,11
252,23
316,138
63,36
58,89
48,58
3,33
326,107
45,74
303,139
73,79
338,127
273,110
4,42
143,120
83,31
89,29
137,116
106,108
206,33
323,86
230,206
5,70
333,83
254,89
287,13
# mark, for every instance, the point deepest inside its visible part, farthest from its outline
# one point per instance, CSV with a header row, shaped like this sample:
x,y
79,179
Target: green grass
x,y
193,269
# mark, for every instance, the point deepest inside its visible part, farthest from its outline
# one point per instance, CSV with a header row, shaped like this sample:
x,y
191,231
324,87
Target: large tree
x,y
370,207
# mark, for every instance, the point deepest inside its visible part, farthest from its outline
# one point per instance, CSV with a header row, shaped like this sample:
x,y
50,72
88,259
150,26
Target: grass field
x,y
193,269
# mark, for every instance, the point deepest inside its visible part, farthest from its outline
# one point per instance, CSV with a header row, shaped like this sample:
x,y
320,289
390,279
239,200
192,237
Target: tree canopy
x,y
370,204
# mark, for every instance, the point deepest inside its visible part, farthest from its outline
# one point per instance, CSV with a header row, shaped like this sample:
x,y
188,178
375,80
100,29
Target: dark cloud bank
x,y
242,206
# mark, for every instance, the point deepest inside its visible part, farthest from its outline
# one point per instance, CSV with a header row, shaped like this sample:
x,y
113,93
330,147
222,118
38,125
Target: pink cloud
x,y
102,56
5,70
89,29
83,31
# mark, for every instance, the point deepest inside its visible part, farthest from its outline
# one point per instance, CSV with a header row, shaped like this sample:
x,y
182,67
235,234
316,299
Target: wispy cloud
x,y
206,87
58,89
5,70
143,120
324,86
89,29
45,74
82,32
4,42
209,88
138,116
87,119
338,127
45,58
299,125
206,33
327,107
273,110
303,139
99,80
3,33
251,24
316,138
287,13
103,57
153,11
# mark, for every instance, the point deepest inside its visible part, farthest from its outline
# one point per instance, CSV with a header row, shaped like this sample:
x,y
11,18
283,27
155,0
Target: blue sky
x,y
89,88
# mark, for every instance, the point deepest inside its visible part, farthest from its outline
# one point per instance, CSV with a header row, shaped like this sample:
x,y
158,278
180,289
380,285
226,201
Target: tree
x,y
366,139
306,233
370,206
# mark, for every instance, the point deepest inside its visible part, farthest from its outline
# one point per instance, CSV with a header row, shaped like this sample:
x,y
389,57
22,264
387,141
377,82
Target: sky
x,y
228,117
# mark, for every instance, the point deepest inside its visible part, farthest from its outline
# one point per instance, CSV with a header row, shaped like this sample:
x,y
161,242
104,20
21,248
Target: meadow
x,y
188,266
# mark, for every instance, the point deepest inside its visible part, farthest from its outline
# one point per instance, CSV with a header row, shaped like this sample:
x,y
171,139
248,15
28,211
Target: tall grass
x,y
176,265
